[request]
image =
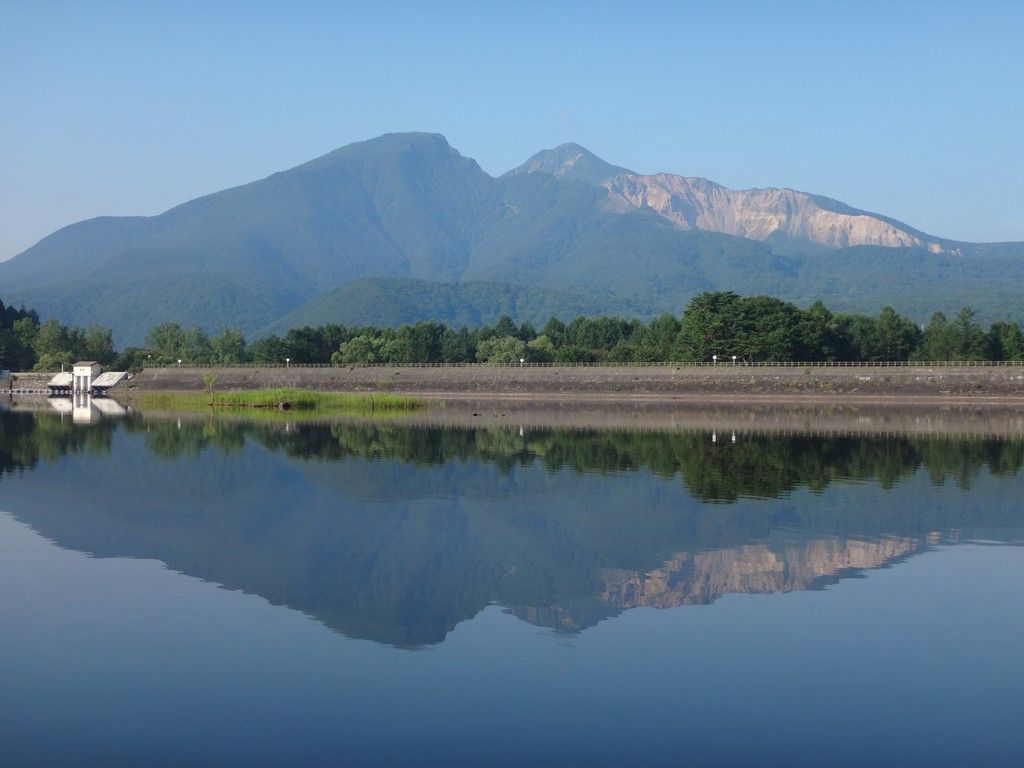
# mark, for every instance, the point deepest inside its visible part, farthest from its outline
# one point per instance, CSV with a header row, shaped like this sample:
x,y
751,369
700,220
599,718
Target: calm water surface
x,y
229,593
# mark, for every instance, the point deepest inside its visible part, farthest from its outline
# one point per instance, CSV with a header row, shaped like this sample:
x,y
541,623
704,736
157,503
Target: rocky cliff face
x,y
698,579
757,214
760,214
701,578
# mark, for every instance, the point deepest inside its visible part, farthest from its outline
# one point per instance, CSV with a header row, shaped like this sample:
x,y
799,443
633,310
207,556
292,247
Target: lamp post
x,y
734,359
287,362
714,359
179,362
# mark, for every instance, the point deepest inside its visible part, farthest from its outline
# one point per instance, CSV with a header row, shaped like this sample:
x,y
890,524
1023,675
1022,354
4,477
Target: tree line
x,y
722,324
28,344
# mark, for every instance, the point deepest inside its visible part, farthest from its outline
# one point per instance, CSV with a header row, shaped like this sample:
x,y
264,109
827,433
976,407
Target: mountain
x,y
566,232
399,205
570,161
777,215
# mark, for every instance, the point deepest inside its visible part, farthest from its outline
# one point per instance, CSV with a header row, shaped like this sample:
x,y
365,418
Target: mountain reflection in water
x,y
396,533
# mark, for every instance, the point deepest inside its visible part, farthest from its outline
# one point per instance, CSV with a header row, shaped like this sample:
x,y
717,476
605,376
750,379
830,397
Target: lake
x,y
193,591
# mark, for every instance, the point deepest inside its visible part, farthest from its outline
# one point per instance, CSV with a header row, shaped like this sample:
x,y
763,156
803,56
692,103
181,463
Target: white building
x,y
85,378
84,372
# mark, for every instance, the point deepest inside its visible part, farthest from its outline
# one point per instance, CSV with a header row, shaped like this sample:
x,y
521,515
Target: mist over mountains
x,y
403,228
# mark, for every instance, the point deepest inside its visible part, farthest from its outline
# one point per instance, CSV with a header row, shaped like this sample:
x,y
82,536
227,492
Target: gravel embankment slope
x,y
941,383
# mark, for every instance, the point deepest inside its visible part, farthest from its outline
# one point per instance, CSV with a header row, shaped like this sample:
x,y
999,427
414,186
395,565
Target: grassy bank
x,y
282,399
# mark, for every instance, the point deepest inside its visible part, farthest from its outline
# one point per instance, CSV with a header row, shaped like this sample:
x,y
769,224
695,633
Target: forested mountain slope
x,y
565,233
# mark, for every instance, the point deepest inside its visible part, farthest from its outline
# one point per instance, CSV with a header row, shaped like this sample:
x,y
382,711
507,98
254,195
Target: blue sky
x,y
916,111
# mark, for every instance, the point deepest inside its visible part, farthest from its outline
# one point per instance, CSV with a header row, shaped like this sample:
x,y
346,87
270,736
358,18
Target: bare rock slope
x,y
758,214
762,214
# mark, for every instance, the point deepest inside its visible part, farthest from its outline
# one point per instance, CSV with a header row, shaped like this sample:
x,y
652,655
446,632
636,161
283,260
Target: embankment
x,y
26,382
953,383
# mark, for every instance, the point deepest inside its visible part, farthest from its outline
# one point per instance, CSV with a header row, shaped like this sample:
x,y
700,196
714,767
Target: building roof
x,y
62,379
84,363
108,379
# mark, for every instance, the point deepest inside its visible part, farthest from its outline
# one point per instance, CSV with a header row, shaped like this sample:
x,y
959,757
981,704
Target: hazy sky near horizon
x,y
915,110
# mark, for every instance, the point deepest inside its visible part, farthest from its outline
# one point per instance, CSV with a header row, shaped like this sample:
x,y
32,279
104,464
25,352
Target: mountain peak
x,y
390,144
571,147
572,161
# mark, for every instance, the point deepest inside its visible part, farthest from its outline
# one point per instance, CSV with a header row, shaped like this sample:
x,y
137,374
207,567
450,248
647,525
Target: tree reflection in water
x,y
396,533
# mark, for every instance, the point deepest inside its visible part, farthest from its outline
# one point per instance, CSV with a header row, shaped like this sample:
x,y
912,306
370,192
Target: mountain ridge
x,y
408,206
758,213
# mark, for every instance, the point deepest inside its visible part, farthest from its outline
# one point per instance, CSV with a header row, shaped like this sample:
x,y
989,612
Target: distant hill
x,y
950,282
566,232
392,301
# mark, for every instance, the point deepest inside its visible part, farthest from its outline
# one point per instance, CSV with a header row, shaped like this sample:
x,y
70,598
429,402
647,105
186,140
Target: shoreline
x,y
991,418
738,399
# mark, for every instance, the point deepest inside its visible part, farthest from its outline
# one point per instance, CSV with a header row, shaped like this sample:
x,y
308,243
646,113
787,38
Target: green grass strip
x,y
292,399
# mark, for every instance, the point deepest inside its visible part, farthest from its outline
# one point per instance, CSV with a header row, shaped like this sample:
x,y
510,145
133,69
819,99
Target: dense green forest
x,y
722,324
27,344
17,332
391,302
758,328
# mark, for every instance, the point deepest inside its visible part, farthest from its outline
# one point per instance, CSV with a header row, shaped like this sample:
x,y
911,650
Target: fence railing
x,y
669,364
